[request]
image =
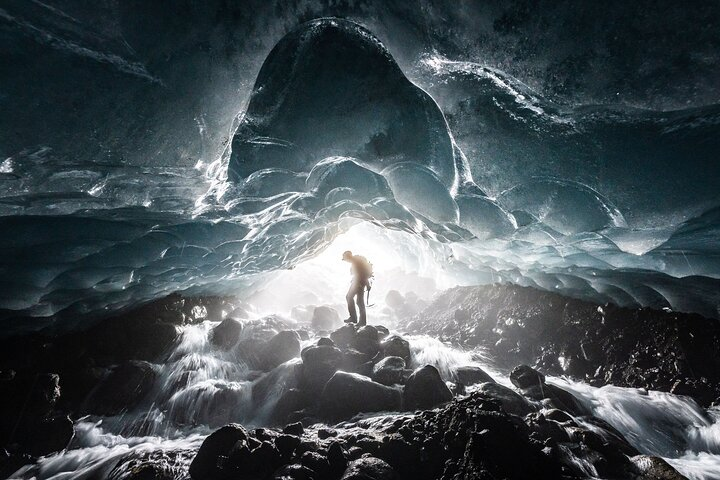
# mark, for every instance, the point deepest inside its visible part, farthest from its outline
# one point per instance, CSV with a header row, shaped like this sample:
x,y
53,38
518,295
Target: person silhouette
x,y
361,271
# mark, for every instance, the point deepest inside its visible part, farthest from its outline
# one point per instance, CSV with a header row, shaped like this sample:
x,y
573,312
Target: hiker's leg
x,y
350,297
361,305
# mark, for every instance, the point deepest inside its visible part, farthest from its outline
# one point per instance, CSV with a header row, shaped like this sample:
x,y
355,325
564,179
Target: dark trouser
x,y
356,294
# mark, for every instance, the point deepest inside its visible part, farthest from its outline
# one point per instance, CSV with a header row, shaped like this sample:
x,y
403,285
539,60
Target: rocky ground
x,y
599,344
314,431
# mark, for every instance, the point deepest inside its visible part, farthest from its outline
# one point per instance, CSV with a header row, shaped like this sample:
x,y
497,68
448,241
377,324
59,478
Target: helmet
x,y
347,255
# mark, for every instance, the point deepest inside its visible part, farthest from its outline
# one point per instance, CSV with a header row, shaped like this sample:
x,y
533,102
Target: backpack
x,y
363,268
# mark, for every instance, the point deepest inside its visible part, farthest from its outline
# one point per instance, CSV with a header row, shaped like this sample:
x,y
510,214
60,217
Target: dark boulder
x,y
395,346
295,471
315,75
367,340
524,377
532,384
389,371
317,463
279,349
470,375
294,429
226,334
215,449
337,458
320,362
347,394
369,468
425,389
511,401
344,336
46,436
325,341
655,468
122,389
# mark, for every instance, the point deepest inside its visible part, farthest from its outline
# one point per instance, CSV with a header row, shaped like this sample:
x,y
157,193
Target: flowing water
x,y
201,387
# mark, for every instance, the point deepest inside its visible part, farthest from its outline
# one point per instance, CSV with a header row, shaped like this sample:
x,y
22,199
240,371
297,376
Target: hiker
x,y
361,271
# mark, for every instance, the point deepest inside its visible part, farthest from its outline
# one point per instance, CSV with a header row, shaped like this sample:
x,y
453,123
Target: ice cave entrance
x,y
414,266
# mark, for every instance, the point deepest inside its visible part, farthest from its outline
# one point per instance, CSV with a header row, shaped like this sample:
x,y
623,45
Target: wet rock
x,y
226,334
367,340
524,377
655,468
532,384
12,462
215,450
292,400
511,401
47,436
123,388
320,362
470,375
395,346
279,349
337,458
347,394
325,341
295,471
344,336
317,463
286,444
154,465
325,318
294,429
389,371
425,389
383,331
369,468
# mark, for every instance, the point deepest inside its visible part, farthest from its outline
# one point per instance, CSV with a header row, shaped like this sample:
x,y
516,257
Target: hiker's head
x,y
347,255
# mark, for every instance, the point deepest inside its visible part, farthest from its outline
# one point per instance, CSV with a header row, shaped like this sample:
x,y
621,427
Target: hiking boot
x,y
350,320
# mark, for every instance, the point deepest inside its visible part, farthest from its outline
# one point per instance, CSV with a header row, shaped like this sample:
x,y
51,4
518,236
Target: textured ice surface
x,y
82,238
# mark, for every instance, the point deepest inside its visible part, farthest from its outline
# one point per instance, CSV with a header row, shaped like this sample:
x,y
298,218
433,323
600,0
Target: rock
x,y
122,389
655,468
325,318
325,341
47,436
150,465
424,389
367,340
320,362
347,394
218,445
286,444
317,463
291,400
389,371
383,331
279,349
294,429
369,468
344,336
511,401
524,377
317,73
337,458
470,375
295,471
226,334
395,346
532,383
